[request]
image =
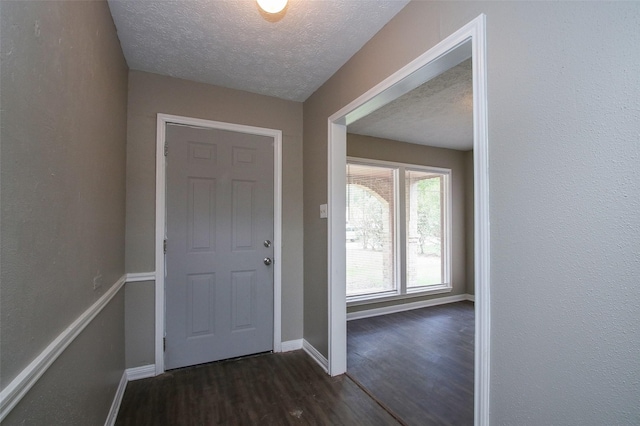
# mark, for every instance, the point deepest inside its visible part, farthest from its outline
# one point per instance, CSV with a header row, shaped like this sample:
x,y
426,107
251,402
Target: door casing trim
x,y
160,233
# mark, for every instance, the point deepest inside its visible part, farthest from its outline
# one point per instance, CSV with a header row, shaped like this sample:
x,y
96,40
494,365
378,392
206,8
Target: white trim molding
x,y
117,400
19,386
140,277
441,289
482,246
471,297
402,307
467,42
315,355
161,124
128,375
291,345
142,372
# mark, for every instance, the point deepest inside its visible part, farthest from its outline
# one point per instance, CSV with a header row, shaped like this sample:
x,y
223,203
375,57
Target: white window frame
x,y
400,236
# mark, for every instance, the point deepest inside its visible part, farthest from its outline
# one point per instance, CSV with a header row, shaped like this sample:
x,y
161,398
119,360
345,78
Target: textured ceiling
x,y
439,113
230,43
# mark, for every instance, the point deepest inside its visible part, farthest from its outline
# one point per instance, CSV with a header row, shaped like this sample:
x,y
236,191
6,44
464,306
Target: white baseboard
x,y
291,345
18,388
471,297
142,372
406,307
315,355
117,400
128,375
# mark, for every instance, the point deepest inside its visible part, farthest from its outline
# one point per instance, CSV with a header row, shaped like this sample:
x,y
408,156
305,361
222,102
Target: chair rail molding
x,y
24,381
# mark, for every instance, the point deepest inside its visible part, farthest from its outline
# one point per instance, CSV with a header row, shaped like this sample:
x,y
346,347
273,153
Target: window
x,y
424,192
397,241
370,224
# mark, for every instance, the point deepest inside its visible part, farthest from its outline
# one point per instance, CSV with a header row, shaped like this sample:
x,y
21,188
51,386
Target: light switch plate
x,y
323,211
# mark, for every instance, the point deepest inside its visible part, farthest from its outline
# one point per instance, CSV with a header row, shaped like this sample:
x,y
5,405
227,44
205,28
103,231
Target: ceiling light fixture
x,y
272,6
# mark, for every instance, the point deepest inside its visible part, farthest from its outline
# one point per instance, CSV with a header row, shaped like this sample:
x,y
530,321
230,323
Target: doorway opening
x,y
468,42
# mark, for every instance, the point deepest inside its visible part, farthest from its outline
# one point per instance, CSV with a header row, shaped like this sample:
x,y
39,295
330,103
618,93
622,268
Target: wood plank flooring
x,y
417,363
269,389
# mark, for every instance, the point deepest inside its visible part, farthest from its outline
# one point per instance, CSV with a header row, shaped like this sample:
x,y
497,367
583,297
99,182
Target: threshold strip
x,y
372,396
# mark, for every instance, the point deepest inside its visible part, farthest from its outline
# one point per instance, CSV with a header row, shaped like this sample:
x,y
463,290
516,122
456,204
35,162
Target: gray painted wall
x,y
80,385
63,133
150,94
140,323
388,150
564,96
469,221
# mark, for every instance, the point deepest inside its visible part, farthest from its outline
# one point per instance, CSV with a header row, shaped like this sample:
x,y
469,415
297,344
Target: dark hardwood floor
x,y
270,389
417,363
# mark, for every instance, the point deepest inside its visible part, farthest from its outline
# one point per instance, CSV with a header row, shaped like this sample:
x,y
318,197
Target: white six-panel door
x,y
219,289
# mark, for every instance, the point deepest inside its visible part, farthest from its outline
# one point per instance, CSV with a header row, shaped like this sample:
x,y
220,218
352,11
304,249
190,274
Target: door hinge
x,y
166,148
164,344
164,246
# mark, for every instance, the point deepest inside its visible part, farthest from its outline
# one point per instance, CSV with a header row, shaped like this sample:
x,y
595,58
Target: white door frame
x,y
162,121
469,41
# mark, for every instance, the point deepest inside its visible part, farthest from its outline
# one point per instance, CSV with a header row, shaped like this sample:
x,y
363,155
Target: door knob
x,y
267,261
267,243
